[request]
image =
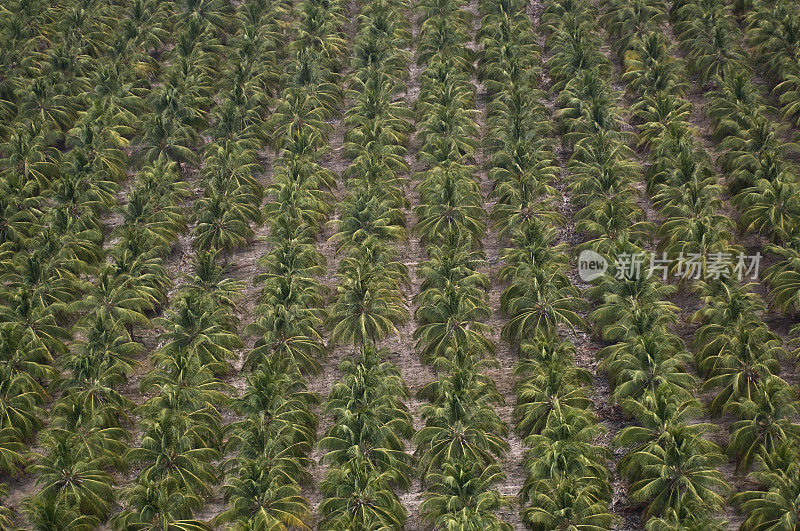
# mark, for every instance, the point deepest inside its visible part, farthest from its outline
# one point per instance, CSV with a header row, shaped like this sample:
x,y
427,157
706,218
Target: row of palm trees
x,y
463,438
364,448
758,160
181,96
181,421
629,311
568,482
273,443
756,156
668,460
215,125
101,295
735,352
69,306
773,36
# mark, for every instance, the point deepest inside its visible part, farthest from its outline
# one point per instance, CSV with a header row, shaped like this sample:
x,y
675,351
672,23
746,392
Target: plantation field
x,y
399,264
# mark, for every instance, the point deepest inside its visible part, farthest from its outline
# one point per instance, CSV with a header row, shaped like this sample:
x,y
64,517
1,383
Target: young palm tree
x,y
741,363
460,421
359,497
627,21
714,48
199,328
158,507
12,451
770,207
277,407
371,420
681,474
189,392
568,504
765,422
574,52
208,280
298,113
38,326
735,104
549,391
776,504
686,520
565,449
588,106
671,465
260,498
90,428
657,416
47,513
464,486
784,276
282,336
364,215
116,303
632,307
219,223
539,304
644,363
453,263
367,307
451,204
72,478
451,320
169,452
21,393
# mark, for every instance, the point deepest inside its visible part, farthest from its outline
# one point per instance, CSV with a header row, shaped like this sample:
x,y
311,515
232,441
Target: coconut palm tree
x,y
546,391
765,422
47,513
464,486
451,320
198,327
564,450
644,363
539,304
277,407
460,421
775,503
115,303
367,307
170,453
357,496
158,506
686,520
261,497
740,363
784,276
568,505
70,477
770,207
